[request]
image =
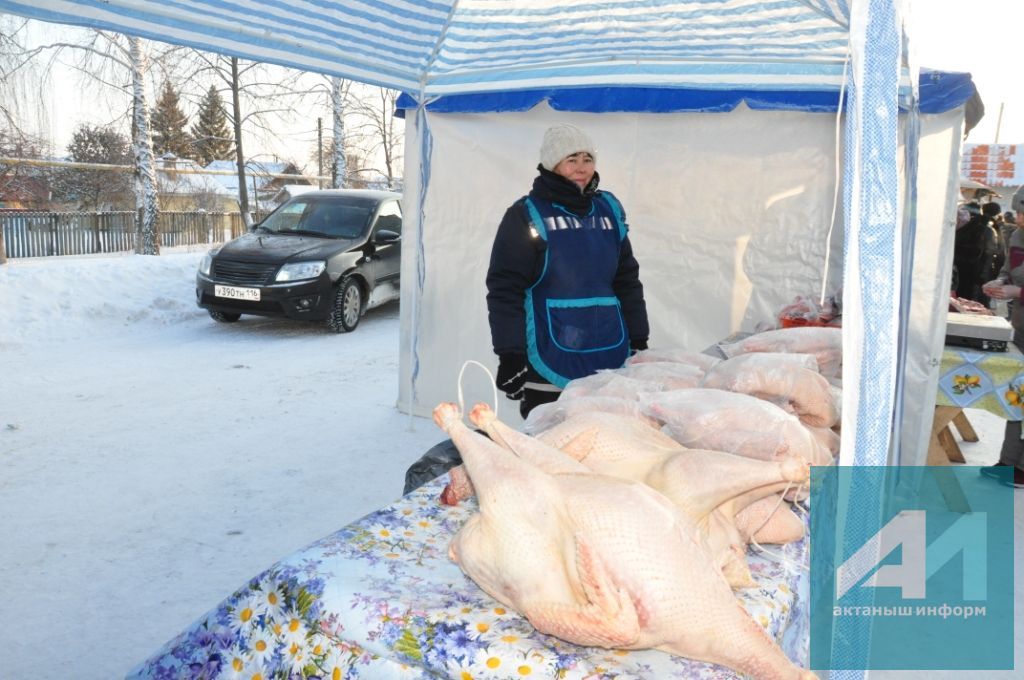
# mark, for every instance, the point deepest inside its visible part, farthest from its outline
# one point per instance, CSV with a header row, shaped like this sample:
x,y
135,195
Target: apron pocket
x,y
586,324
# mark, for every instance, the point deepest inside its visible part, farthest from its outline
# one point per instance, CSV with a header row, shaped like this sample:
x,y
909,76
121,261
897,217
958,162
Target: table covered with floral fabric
x,y
381,599
993,381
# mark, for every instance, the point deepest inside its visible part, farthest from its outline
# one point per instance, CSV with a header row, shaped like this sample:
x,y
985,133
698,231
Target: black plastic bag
x,y
438,460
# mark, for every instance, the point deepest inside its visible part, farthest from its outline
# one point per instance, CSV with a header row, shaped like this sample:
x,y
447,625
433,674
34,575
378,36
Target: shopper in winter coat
x,y
974,250
1010,286
994,213
564,297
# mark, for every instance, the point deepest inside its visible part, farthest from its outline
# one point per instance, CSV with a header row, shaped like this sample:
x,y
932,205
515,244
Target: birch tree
x,y
117,63
335,148
339,168
147,203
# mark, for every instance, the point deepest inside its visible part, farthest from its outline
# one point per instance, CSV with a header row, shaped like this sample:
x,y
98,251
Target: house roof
x,y
252,169
187,183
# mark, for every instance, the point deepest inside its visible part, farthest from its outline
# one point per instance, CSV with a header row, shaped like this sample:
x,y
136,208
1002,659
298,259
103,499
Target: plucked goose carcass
x,y
709,487
737,423
824,342
600,561
787,382
674,355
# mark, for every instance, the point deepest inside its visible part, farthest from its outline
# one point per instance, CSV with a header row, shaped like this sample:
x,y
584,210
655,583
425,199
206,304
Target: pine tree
x,y
169,125
213,137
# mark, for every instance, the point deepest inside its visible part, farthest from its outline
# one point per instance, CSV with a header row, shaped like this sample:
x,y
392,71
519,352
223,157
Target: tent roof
x,y
449,46
939,91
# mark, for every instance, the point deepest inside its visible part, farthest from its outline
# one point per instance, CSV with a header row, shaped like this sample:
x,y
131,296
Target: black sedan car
x,y
323,256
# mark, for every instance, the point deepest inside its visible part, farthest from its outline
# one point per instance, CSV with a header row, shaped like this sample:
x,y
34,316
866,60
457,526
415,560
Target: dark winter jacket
x,y
517,261
974,256
1013,273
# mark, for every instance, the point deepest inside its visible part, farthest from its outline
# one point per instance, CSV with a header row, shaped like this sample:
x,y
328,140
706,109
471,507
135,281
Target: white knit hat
x,y
562,141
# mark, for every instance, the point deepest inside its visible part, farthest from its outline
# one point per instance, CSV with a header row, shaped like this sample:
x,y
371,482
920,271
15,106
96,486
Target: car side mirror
x,y
386,236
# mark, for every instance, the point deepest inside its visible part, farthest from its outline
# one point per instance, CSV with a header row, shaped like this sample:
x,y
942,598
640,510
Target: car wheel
x,y
224,317
347,307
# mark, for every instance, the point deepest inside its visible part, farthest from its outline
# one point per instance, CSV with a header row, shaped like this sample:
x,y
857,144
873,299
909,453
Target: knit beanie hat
x,y
561,141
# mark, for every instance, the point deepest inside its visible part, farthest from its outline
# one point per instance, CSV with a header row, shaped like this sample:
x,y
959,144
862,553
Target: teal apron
x,y
574,323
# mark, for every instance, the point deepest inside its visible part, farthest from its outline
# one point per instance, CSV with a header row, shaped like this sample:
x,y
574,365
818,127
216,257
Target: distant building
x,y
997,168
995,165
187,191
24,191
262,189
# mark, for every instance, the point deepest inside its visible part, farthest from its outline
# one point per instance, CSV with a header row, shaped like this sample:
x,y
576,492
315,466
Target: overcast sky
x,y
981,37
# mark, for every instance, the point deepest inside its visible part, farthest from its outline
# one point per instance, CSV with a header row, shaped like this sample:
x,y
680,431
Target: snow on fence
x,y
40,234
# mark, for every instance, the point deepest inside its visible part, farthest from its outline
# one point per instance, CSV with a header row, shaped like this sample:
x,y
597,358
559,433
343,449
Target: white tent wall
x,y
728,214
938,181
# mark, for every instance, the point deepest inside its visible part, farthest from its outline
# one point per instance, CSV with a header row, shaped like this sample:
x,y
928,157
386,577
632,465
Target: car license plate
x,y
236,293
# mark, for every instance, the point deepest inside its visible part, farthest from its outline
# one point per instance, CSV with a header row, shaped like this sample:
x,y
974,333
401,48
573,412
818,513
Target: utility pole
x,y
999,121
319,152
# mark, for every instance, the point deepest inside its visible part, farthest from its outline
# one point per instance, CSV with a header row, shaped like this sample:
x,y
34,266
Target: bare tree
x,y
354,165
380,133
19,83
261,95
116,62
334,147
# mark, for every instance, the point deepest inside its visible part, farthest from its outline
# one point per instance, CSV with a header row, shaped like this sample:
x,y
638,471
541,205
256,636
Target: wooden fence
x,y
39,234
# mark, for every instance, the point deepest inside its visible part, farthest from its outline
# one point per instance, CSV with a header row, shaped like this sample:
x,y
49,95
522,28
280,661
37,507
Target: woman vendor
x,y
564,297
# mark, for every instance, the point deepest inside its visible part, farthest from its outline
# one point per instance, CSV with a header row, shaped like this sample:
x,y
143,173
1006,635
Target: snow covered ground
x,y
152,460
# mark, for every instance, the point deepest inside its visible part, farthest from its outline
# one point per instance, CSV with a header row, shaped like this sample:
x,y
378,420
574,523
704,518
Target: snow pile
x,y
153,460
75,298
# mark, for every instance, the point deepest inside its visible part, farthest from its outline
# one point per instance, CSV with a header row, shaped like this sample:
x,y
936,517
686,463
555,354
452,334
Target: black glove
x,y
511,375
637,345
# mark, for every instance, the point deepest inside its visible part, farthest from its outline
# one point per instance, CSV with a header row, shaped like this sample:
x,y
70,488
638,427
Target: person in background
x,y
994,213
564,297
1008,225
974,249
1009,286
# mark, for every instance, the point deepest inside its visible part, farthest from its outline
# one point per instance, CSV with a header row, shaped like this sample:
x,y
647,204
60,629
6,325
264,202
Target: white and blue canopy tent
x,y
725,154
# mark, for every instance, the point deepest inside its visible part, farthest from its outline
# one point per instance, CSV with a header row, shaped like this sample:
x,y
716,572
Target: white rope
x,y
835,195
785,561
490,377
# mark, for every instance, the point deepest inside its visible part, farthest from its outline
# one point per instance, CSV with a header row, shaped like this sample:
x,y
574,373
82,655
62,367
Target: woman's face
x,y
578,168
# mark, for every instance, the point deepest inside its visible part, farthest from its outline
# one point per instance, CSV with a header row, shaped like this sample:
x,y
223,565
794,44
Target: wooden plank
x,y
964,427
939,457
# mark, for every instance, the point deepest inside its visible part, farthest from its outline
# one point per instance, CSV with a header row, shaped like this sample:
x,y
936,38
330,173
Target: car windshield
x,y
328,216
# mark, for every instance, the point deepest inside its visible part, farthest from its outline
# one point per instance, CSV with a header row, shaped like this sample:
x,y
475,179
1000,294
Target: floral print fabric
x,y
381,599
993,381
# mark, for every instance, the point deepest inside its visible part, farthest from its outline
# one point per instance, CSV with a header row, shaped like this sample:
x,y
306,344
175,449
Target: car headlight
x,y
297,271
206,264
